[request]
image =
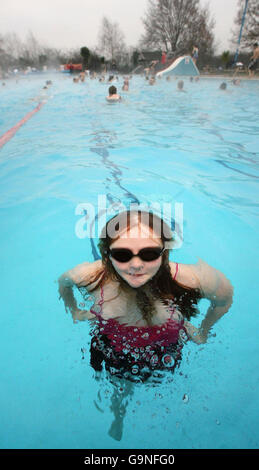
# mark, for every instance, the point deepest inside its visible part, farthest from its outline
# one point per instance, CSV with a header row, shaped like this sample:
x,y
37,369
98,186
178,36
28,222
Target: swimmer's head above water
x,y
223,86
112,90
180,85
113,96
133,246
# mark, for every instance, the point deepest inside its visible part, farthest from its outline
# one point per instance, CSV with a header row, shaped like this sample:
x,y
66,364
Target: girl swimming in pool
x,y
142,301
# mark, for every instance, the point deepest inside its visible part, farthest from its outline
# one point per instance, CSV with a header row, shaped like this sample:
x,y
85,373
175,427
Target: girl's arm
x,y
78,276
214,286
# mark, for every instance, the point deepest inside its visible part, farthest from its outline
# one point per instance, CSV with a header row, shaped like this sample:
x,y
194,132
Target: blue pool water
x,y
198,148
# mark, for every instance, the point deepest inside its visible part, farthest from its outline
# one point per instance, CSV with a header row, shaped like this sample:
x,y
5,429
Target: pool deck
x,y
227,76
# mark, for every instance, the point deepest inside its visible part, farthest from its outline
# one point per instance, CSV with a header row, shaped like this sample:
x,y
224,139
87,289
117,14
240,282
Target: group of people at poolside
x,y
150,75
113,95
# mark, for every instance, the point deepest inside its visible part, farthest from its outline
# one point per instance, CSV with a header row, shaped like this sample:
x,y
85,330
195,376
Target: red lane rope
x,y
9,134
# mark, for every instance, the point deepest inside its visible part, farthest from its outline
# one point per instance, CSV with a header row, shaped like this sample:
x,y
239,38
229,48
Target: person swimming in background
x,y
82,76
113,96
125,85
152,81
223,86
180,85
43,96
143,303
152,66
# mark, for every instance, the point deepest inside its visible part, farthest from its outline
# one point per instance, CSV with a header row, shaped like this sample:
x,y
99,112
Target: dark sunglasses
x,y
124,255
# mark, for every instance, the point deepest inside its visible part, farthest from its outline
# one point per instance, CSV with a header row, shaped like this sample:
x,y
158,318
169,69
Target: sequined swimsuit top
x,y
126,336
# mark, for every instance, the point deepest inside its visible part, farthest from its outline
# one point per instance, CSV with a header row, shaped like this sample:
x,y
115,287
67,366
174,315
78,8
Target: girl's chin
x,y
136,280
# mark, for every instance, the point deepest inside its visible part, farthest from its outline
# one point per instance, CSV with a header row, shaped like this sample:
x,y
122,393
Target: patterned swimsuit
x,y
136,352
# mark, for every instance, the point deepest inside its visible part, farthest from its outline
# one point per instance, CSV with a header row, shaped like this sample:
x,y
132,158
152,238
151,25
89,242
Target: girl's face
x,y
137,272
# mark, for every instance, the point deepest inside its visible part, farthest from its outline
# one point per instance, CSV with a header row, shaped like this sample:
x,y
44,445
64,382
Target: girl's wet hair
x,y
123,222
112,90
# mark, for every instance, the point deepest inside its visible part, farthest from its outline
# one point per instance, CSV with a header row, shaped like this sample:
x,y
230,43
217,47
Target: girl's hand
x,y
81,315
200,337
196,335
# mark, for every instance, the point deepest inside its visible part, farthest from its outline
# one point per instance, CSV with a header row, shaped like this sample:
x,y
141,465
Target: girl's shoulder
x,y
84,273
185,274
209,280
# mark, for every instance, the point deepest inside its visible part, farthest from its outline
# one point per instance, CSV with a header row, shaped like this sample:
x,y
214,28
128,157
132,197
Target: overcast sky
x,y
68,24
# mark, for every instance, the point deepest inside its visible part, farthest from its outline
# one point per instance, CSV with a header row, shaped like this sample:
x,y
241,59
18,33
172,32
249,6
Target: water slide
x,y
184,65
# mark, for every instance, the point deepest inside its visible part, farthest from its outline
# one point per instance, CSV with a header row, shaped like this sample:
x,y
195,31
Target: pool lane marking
x,y
9,134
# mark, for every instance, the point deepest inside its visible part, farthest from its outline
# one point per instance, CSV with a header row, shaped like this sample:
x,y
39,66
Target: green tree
x,y
135,56
42,59
95,62
85,53
225,58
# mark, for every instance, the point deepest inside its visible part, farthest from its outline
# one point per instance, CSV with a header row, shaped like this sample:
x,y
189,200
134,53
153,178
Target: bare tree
x,y
32,48
12,45
250,31
111,40
176,25
17,53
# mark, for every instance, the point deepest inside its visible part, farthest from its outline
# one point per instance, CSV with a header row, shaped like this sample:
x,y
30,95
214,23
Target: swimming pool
x,y
198,148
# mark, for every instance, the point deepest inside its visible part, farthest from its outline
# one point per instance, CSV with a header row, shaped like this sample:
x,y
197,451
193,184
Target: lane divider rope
x,y
11,132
